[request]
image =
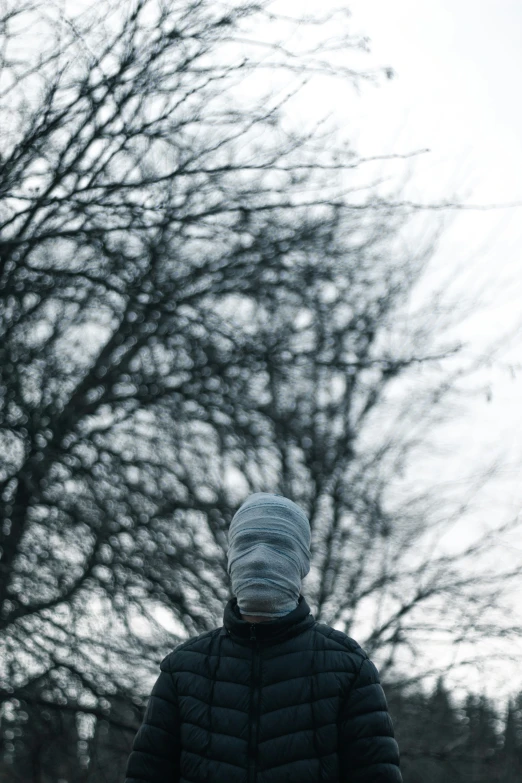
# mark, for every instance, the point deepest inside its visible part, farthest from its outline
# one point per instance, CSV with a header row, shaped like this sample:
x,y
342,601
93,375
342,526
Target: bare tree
x,y
191,291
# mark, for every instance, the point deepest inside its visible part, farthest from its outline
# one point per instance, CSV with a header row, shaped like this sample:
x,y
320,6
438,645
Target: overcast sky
x,y
458,66
456,92
457,88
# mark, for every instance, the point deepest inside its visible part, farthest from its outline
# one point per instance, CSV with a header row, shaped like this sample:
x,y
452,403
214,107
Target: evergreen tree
x,y
510,755
444,733
482,741
430,732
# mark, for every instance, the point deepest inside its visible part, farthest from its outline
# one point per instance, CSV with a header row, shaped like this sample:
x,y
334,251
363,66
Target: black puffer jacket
x,y
287,701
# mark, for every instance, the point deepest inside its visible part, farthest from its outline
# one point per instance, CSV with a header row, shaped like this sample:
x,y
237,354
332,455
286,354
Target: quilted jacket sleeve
x,y
156,748
368,752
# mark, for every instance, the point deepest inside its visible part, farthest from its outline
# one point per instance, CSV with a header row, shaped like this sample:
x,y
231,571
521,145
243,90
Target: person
x,y
272,696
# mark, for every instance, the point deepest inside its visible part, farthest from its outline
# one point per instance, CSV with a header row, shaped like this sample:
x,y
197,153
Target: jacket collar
x,y
277,630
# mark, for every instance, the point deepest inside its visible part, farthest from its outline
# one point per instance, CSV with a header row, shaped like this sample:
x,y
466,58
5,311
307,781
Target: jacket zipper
x,y
254,712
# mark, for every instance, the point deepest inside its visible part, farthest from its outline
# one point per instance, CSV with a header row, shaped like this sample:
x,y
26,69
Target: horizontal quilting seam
x,y
268,712
362,714
162,698
368,739
158,728
203,728
288,679
307,676
283,654
297,704
295,761
218,706
206,677
367,685
152,753
214,761
297,731
279,736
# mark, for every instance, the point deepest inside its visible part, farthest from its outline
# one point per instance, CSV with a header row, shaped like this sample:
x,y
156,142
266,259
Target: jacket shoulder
x,y
340,638
201,642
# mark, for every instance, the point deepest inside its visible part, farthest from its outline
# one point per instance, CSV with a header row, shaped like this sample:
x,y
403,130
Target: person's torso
x,y
262,711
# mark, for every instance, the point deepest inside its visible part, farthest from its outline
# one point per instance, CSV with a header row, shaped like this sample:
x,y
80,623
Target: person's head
x,y
268,555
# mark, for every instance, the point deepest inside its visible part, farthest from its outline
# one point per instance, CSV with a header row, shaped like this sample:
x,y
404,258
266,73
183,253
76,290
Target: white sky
x,y
458,66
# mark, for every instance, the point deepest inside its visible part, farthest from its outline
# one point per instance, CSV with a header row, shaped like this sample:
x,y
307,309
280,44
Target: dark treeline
x,y
439,741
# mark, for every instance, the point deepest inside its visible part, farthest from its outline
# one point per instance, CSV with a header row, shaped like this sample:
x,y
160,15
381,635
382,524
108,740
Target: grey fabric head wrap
x,y
268,554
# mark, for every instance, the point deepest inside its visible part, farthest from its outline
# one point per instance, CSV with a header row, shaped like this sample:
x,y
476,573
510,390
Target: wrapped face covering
x,y
268,555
